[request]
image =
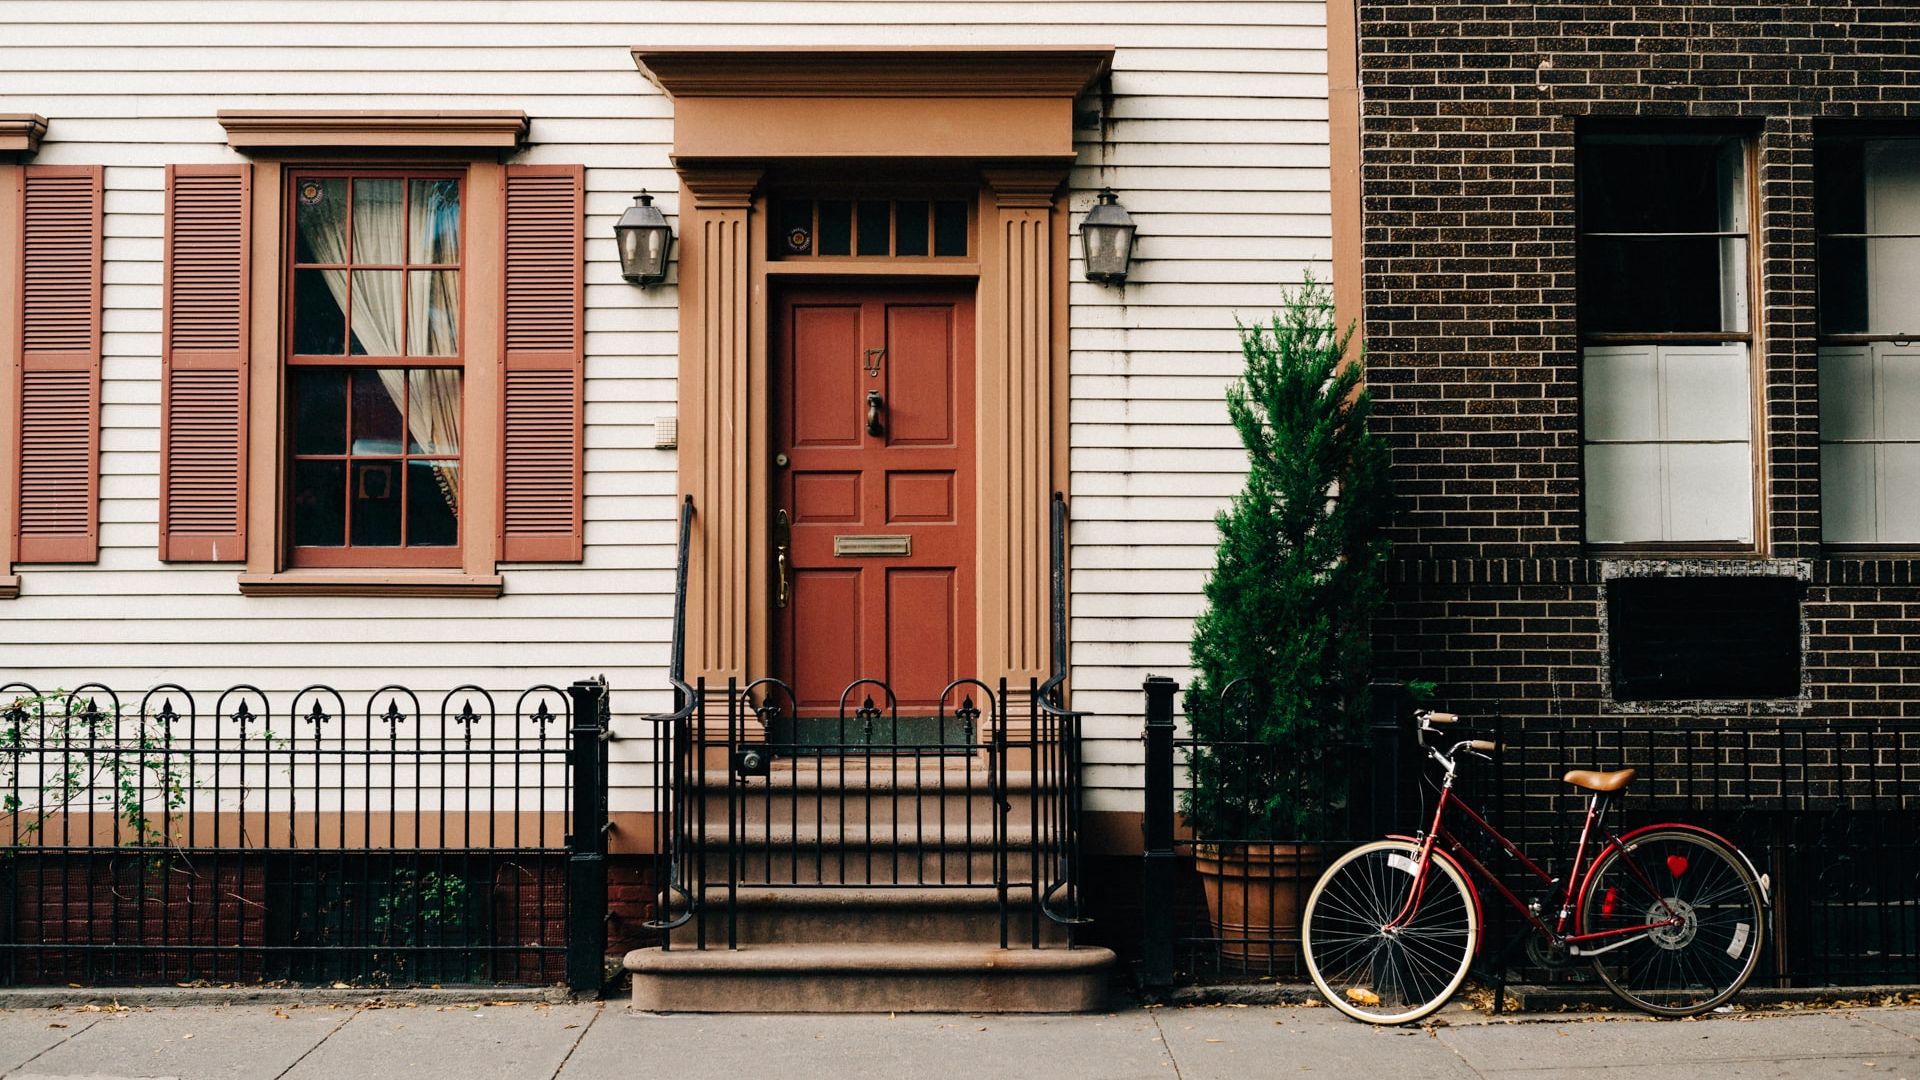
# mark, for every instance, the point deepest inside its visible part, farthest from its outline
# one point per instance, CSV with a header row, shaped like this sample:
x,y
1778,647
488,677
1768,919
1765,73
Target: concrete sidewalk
x,y
540,1041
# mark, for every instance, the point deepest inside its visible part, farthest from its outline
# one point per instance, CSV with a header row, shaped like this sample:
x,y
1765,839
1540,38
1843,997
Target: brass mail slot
x,y
872,545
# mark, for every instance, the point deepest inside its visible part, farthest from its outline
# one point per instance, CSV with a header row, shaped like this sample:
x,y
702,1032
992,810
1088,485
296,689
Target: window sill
x,y
9,586
441,583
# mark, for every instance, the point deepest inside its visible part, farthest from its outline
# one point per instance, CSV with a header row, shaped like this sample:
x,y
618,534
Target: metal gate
x,y
981,792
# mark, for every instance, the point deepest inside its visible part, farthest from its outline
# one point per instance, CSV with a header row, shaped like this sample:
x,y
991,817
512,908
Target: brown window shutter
x,y
203,389
59,453
544,406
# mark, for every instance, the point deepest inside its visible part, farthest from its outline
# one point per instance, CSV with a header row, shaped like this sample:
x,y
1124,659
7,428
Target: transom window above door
x,y
375,369
911,228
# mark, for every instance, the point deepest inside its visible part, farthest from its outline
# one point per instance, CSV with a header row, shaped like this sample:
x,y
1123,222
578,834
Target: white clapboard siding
x,y
1215,134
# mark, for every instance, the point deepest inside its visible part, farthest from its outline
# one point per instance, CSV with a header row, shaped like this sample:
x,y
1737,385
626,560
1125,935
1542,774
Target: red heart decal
x,y
1677,864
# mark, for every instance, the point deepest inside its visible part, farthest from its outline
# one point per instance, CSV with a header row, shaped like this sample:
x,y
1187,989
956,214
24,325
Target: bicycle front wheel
x,y
1377,952
1702,916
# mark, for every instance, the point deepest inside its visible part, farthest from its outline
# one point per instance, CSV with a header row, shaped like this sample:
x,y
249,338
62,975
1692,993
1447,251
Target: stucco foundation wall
x,y
1215,133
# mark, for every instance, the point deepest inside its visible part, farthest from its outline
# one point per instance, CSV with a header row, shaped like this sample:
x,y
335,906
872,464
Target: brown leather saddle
x,y
1599,781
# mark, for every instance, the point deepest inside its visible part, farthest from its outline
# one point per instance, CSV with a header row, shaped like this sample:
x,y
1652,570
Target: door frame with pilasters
x,y
999,120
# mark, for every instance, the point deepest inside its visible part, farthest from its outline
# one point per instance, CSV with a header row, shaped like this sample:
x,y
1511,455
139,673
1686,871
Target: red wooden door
x,y
874,413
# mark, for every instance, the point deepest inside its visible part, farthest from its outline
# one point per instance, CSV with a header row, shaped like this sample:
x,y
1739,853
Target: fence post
x,y
1389,733
1157,907
587,845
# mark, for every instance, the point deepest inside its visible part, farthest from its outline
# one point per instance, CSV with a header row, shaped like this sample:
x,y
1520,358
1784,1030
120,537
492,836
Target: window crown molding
x,y
20,134
867,71
474,132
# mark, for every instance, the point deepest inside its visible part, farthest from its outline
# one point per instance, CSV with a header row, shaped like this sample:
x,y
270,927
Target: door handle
x,y
782,557
874,405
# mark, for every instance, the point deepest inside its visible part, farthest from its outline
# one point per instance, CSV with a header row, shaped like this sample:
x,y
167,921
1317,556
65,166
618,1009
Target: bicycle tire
x,y
1697,965
1383,976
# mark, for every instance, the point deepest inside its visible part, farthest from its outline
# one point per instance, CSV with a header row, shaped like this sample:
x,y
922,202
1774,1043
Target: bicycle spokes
x,y
1678,919
1385,943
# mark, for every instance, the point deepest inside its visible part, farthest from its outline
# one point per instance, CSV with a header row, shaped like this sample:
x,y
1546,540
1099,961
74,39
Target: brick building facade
x,y
1476,124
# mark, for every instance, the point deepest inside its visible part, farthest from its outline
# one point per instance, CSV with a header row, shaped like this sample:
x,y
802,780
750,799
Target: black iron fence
x,y
246,837
1828,810
1224,907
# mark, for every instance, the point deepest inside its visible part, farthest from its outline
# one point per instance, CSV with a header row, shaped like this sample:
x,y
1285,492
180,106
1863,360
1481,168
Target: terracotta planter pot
x,y
1254,896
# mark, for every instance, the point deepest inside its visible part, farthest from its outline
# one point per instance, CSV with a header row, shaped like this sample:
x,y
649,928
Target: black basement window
x,y
1691,638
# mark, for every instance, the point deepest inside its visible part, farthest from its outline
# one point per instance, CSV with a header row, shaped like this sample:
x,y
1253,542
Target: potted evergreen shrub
x,y
1281,653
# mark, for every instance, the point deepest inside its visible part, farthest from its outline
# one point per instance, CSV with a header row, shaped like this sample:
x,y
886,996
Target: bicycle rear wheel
x,y
1699,961
1368,965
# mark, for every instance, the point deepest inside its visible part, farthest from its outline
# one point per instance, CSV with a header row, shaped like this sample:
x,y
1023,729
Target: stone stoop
x,y
841,908
864,977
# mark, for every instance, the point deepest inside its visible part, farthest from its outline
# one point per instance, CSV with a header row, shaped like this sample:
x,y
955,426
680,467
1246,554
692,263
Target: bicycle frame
x,y
1566,916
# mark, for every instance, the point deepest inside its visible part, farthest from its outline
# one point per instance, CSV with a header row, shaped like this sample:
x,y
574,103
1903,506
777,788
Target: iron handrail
x,y
669,734
1046,702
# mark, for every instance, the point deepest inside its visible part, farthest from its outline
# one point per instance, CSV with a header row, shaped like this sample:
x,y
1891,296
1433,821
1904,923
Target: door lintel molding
x,y
874,71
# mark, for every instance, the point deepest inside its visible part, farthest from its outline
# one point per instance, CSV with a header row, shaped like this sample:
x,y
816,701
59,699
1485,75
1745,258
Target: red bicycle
x,y
1671,916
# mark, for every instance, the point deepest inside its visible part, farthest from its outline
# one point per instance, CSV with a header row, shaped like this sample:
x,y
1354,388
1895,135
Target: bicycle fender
x,y
1766,886
1473,889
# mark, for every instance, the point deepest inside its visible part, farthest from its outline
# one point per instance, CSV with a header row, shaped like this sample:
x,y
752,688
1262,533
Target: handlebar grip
x,y
1442,718
1483,745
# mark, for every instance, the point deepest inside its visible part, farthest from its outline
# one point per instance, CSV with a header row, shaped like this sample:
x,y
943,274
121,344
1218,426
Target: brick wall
x,y
1468,137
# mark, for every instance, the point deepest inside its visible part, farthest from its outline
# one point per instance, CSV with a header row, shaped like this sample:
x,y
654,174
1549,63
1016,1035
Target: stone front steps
x,y
872,916
849,978
866,889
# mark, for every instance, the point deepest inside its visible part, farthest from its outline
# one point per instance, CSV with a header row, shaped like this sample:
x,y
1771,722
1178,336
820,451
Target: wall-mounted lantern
x,y
1106,240
645,238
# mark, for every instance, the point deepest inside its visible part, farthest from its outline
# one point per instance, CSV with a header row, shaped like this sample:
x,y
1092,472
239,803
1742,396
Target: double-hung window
x,y
374,363
1666,340
1867,208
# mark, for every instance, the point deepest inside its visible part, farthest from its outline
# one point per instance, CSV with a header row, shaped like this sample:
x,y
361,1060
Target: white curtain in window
x,y
433,412
433,418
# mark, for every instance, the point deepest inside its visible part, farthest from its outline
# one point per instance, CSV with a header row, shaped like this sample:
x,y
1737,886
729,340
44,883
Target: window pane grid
x,y
438,452
344,276
1870,444
1867,206
375,356
1666,329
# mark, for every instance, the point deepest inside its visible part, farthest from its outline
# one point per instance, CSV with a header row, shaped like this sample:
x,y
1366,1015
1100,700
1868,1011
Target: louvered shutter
x,y
545,370
203,390
59,453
